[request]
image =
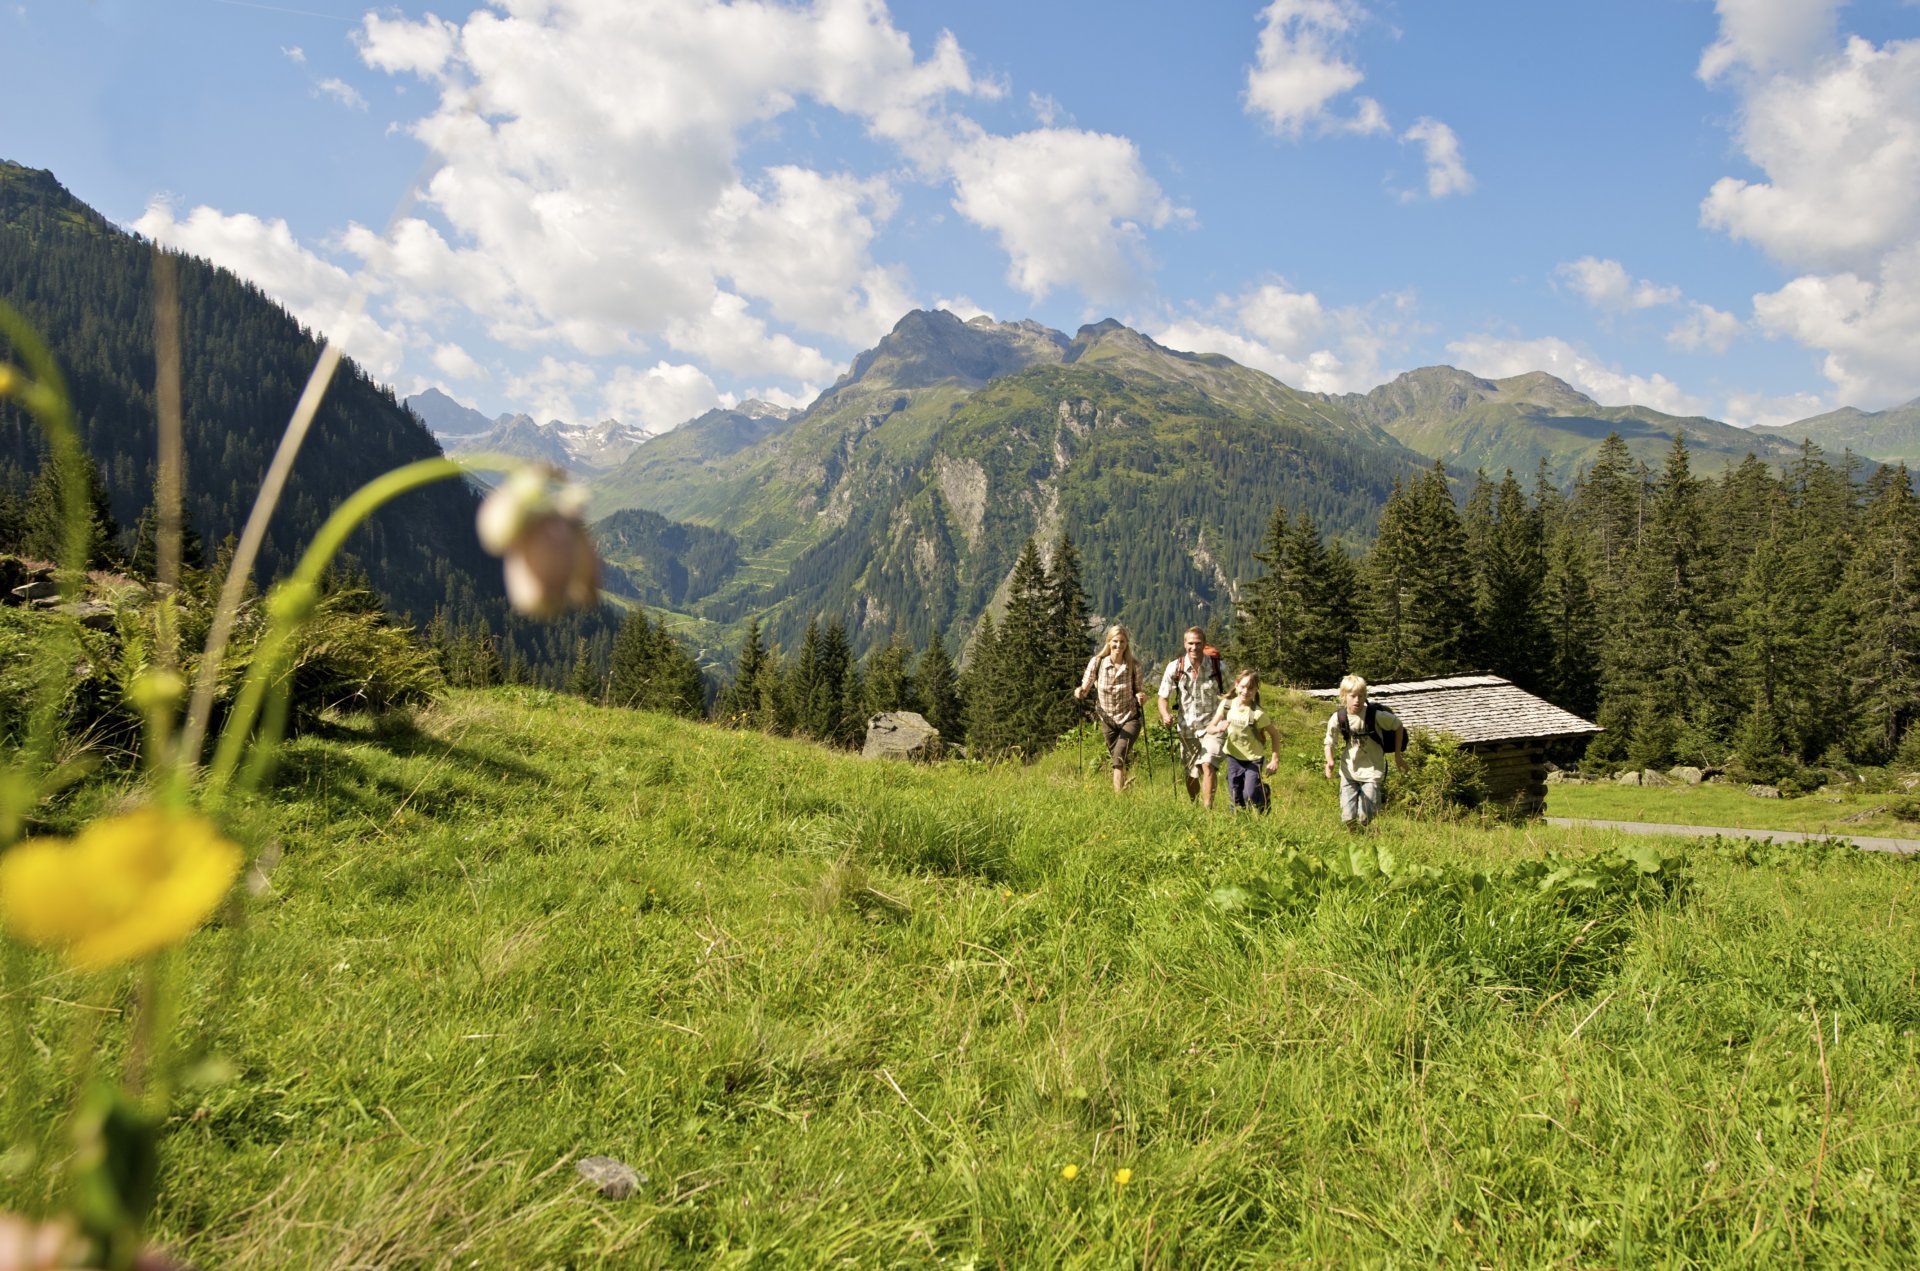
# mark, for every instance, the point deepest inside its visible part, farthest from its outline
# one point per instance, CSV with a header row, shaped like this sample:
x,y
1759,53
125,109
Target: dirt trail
x,y
1862,841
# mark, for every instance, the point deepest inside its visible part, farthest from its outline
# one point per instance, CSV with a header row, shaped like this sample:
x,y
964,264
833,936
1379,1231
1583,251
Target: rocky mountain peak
x,y
928,347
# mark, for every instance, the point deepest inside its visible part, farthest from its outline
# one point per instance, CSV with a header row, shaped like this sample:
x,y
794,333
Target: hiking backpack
x,y
1368,728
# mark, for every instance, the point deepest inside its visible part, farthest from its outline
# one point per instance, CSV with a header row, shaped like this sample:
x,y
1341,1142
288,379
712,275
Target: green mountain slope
x,y
902,496
1887,435
1469,422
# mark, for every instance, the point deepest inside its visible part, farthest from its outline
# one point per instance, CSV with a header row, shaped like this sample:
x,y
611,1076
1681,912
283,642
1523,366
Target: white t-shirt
x,y
1361,759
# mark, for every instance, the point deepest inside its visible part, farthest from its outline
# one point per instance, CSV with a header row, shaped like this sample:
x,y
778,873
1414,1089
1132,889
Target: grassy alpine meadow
x,y
847,1013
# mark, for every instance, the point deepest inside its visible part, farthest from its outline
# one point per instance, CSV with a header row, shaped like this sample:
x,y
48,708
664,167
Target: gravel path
x,y
1862,841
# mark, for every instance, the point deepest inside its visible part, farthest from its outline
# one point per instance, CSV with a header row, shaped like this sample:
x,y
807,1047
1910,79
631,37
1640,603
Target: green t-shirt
x,y
1244,726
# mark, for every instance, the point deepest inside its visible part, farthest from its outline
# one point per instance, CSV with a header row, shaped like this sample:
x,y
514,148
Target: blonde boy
x,y
1363,733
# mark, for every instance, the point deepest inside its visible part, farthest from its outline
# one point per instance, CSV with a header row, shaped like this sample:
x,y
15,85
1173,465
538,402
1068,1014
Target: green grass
x,y
1830,810
865,1015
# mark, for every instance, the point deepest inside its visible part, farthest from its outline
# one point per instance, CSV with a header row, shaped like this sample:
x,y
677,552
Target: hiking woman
x,y
1241,719
1113,677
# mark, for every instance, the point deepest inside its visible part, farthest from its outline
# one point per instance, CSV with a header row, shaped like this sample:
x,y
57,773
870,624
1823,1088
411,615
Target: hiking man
x,y
1195,676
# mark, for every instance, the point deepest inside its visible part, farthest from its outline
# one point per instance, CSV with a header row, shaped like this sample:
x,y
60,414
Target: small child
x,y
1364,732
1239,717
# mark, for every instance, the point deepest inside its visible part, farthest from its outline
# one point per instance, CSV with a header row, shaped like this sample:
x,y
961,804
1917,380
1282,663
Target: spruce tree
x,y
826,710
44,525
1028,695
1882,589
986,693
1570,624
583,678
741,697
939,696
1382,646
801,685
1068,642
1512,568
889,679
1663,661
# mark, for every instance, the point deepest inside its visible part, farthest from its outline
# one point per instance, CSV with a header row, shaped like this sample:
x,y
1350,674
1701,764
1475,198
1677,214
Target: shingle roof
x,y
1474,708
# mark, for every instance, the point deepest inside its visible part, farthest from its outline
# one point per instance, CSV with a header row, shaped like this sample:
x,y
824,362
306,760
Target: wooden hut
x,y
1505,725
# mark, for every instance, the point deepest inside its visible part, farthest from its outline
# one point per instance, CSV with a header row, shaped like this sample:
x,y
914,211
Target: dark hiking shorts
x,y
1120,739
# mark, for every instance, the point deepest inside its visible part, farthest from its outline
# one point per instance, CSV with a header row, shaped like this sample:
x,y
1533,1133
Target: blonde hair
x,y
1354,684
1251,678
1120,630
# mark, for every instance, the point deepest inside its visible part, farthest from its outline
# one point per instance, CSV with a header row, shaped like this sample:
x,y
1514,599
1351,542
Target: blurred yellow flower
x,y
1069,1172
126,886
1123,1176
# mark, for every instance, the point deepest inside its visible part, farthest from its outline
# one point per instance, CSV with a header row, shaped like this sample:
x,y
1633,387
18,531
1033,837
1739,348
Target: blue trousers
x,y
1244,784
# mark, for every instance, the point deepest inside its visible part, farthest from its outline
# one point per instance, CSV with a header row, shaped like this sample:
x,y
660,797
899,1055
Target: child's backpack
x,y
1388,738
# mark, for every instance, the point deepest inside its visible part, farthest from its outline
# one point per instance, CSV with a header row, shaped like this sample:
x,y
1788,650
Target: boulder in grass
x,y
1764,792
901,735
1687,776
1648,777
1628,779
616,1180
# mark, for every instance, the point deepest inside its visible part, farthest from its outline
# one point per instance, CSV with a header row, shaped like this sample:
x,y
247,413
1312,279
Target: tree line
x,y
1765,619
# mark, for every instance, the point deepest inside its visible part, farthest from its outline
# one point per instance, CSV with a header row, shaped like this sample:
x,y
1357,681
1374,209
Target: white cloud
x,y
1300,69
1293,337
1768,35
729,337
964,308
590,183
1446,170
320,294
1495,357
548,390
456,363
1868,327
661,397
294,54
1606,285
1750,410
1835,128
1705,327
341,91
792,399
1840,146
1069,207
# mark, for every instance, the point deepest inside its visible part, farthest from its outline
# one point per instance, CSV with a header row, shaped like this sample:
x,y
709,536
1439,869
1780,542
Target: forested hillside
x,y
87,287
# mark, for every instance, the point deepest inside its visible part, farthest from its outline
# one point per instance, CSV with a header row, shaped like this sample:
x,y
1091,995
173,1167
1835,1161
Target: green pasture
x,y
851,1014
1838,810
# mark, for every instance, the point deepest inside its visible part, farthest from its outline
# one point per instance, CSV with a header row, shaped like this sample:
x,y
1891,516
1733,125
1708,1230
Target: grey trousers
x,y
1359,800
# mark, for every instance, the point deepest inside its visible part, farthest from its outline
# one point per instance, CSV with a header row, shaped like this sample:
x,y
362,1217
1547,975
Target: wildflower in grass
x,y
541,537
1122,1176
126,886
1069,1172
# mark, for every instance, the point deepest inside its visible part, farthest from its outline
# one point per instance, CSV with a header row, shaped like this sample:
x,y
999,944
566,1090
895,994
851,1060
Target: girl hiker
x,y
1113,677
1239,716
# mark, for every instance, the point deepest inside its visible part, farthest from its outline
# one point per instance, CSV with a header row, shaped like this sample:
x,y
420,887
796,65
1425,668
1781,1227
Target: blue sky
x,y
643,208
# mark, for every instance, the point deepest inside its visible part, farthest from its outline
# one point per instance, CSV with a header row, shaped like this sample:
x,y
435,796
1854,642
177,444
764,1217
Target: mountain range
x,y
581,449
901,495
